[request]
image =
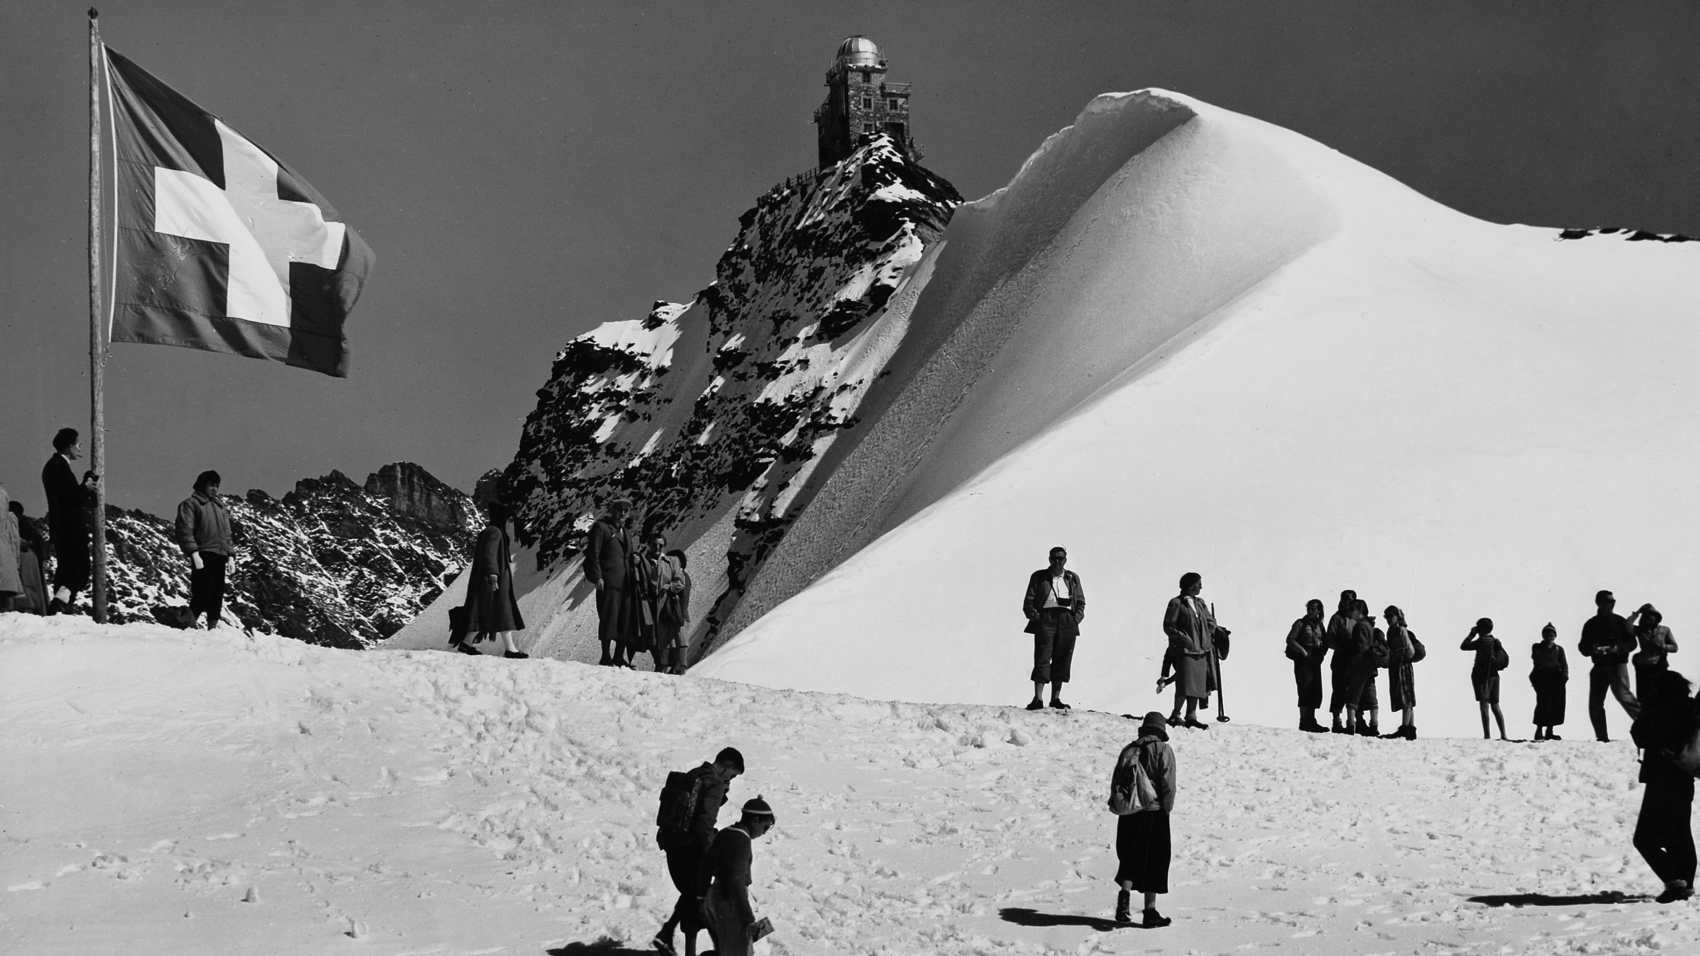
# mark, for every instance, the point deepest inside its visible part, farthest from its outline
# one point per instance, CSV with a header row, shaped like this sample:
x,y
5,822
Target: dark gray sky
x,y
525,171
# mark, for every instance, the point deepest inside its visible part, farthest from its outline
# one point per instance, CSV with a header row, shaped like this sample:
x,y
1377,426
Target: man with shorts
x,y
1054,604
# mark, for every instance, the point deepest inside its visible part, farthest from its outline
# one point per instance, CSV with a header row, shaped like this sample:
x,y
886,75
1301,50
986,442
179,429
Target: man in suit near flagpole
x,y
68,502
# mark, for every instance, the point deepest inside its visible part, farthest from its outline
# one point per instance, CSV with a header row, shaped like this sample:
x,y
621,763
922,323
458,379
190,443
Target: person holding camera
x,y
1607,641
203,532
68,505
1491,658
1656,645
731,920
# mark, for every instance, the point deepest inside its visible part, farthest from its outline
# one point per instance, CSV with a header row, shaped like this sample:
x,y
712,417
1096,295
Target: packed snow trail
x,y
194,793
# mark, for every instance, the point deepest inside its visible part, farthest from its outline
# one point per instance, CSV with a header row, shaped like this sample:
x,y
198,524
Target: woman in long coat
x,y
491,609
672,588
1190,629
1548,675
1143,847
32,563
1305,647
1402,647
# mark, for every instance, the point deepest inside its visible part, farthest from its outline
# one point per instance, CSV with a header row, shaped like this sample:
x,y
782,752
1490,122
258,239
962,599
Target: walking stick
x,y
1216,666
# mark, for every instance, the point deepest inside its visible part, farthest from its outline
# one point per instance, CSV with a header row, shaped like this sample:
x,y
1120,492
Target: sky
x,y
525,172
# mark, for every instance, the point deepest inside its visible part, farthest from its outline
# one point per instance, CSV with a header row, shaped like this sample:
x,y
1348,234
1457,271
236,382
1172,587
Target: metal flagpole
x,y
97,331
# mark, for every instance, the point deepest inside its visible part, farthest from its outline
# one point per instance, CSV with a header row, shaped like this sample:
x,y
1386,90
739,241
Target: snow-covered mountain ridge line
x,y
332,562
716,410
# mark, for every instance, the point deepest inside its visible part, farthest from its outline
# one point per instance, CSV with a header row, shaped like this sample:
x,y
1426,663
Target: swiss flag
x,y
219,245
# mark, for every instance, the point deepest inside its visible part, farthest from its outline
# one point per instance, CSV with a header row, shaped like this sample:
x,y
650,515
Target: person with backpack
x,y
732,922
1142,795
689,808
1664,830
1656,645
1608,642
1339,640
1306,645
1369,654
1548,675
1484,673
1403,650
1054,605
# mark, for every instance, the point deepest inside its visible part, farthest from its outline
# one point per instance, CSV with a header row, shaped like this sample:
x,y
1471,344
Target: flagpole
x,y
97,332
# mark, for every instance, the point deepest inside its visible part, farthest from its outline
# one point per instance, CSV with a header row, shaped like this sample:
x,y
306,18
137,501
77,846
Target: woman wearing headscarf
x,y
11,585
1655,645
1143,846
1306,643
1548,675
1403,650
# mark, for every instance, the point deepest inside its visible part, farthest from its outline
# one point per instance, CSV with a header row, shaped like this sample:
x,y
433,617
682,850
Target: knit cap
x,y
757,807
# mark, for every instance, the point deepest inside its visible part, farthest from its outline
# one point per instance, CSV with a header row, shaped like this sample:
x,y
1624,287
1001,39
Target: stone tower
x,y
860,103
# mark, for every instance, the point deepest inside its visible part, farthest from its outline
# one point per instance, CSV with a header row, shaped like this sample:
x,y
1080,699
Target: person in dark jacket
x,y
1656,645
1054,605
1369,650
1608,642
68,505
203,533
1664,832
1306,645
1191,630
1143,847
607,560
1341,627
491,609
1402,653
731,918
1548,674
32,559
686,852
1484,673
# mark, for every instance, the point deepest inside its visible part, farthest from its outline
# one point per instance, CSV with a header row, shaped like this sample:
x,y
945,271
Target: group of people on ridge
x,y
643,592
1360,649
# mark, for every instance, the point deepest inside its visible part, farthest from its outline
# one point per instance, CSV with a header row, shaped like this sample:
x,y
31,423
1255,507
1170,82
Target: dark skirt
x,y
1486,686
1401,686
1192,676
1307,676
1549,699
1360,689
1142,851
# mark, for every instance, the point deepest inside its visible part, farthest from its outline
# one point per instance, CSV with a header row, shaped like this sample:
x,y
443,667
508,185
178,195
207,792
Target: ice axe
x,y
1219,638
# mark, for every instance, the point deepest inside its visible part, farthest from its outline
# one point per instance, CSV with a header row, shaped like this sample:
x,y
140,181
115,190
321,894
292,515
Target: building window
x,y
865,76
867,102
894,103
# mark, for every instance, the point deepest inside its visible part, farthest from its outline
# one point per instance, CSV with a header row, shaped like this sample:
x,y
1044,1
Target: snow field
x,y
196,793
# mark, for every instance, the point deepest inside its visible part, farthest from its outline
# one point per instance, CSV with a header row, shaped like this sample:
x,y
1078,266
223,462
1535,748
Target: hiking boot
x,y
1313,728
1195,724
1060,705
1675,891
1154,919
515,655
1409,731
1337,727
663,943
1124,908
1035,704
1554,737
1174,720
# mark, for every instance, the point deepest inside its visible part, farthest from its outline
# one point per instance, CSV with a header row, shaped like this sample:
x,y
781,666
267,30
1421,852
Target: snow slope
x,y
1183,339
189,794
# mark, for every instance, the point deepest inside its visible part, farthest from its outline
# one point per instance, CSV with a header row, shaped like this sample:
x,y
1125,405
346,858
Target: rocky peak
x,y
415,492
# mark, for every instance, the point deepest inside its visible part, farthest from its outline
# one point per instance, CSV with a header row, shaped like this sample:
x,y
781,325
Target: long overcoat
x,y
1190,629
491,610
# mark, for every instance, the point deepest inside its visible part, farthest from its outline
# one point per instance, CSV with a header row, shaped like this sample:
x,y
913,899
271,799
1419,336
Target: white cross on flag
x,y
219,245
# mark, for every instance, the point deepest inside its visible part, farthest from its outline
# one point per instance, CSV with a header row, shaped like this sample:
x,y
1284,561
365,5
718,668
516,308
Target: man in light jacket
x,y
203,532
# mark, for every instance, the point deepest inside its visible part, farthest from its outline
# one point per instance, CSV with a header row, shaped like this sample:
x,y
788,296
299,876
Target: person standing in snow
x,y
1143,846
642,599
1484,673
1656,645
1341,628
607,557
1403,650
732,921
491,609
68,505
1608,642
1190,628
1548,675
32,558
1664,831
11,551
672,588
203,532
1054,605
687,850
1369,653
1305,648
